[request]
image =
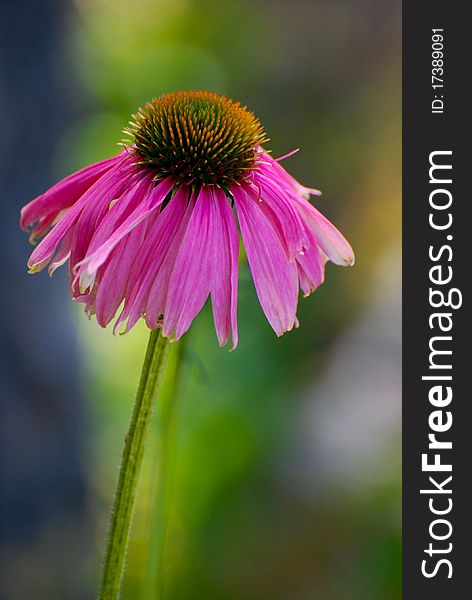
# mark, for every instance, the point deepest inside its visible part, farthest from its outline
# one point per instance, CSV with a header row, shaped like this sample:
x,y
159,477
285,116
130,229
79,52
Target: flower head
x,y
196,137
153,231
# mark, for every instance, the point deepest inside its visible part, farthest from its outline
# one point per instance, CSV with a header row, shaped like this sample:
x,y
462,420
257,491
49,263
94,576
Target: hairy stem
x,y
151,376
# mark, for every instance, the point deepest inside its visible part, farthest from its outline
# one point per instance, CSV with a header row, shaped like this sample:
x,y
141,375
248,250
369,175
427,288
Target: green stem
x,y
151,376
162,493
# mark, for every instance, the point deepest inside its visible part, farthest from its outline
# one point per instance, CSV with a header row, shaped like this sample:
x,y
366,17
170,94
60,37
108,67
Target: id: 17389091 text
x,y
437,70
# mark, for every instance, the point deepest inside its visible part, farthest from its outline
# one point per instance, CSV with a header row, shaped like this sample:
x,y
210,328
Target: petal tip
x,y
350,259
34,268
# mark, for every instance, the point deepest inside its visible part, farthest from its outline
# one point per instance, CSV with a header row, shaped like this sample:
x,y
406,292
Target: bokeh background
x,y
286,453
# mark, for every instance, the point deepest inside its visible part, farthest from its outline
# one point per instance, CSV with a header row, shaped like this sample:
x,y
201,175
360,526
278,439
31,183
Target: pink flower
x,y
152,232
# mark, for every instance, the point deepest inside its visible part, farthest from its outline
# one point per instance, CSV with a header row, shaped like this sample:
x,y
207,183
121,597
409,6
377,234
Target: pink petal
x,y
137,190
98,222
95,213
311,264
67,191
190,281
156,303
150,203
113,284
147,287
275,278
108,183
279,209
63,253
224,290
328,238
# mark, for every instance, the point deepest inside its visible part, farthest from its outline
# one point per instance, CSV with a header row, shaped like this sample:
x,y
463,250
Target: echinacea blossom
x,y
153,231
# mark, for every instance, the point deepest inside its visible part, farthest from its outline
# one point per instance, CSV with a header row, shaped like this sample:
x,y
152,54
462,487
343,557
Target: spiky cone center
x,y
202,138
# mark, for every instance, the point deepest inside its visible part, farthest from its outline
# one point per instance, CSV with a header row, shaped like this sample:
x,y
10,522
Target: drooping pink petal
x,y
63,253
97,224
113,284
67,191
328,238
138,188
95,213
224,289
311,263
147,286
190,281
89,301
44,225
150,203
275,277
109,183
278,208
156,301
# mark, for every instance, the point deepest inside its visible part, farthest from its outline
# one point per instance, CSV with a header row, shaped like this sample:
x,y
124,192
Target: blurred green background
x,y
287,451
